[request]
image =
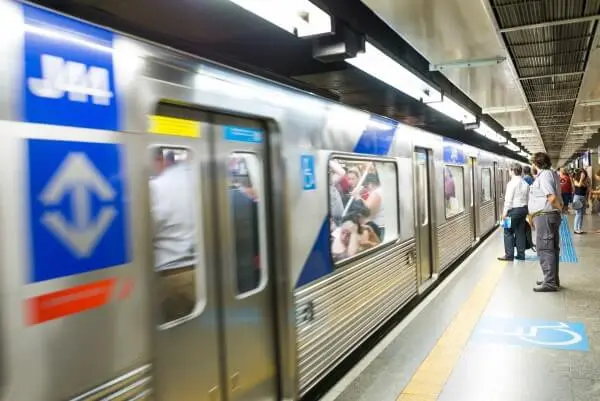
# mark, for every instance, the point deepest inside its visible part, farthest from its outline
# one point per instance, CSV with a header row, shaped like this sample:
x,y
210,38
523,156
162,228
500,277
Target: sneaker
x,y
505,259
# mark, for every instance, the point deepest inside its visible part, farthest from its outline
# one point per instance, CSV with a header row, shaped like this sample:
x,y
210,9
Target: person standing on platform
x,y
527,175
566,189
515,208
545,206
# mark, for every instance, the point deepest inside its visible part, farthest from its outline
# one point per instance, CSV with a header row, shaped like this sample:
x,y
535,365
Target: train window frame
x,y
200,262
262,230
341,264
484,201
464,208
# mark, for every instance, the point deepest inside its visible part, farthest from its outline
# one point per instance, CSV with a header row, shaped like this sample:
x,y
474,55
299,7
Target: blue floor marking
x,y
567,249
562,335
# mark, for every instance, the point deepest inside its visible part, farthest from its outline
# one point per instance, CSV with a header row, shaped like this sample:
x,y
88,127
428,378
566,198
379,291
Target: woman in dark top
x,y
581,189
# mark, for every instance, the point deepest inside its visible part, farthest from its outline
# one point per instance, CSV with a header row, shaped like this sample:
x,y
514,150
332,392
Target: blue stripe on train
x,y
376,140
567,249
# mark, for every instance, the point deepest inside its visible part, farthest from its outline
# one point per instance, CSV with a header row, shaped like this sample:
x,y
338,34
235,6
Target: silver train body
x,y
82,109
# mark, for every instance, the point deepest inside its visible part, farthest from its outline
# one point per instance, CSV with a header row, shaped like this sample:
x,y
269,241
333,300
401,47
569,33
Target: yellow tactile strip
x,y
428,381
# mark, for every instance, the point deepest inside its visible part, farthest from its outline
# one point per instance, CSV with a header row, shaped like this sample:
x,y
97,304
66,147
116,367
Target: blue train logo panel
x,y
77,208
453,152
69,75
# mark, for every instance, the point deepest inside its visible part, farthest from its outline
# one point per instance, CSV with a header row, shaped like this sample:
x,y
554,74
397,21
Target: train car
x,y
172,229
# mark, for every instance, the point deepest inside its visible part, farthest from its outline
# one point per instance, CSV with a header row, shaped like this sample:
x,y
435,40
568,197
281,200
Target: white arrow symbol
x,y
79,175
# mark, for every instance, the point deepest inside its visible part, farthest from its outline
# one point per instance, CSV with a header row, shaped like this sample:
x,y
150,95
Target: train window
x,y
486,185
172,202
454,197
245,184
363,205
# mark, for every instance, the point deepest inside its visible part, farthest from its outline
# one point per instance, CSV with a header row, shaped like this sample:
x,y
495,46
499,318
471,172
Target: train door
x,y
474,197
423,207
497,190
215,337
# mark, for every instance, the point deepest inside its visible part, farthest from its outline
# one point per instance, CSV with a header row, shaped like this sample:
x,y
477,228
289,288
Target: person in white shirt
x,y
515,207
172,197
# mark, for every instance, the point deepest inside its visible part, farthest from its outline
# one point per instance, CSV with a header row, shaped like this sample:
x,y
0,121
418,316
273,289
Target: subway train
x,y
173,229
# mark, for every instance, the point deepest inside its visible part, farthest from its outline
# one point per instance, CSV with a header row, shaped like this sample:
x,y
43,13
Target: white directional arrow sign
x,y
78,175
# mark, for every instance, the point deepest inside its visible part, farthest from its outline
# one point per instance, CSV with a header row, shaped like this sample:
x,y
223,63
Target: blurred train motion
x,y
176,230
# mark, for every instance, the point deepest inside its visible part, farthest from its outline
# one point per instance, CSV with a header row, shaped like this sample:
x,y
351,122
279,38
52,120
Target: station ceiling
x,y
545,63
547,93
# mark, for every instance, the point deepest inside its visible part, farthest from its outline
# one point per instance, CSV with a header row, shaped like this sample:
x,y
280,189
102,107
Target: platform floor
x,y
484,335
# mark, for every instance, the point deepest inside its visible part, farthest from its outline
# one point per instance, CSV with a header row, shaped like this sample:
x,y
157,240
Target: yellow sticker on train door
x,y
162,125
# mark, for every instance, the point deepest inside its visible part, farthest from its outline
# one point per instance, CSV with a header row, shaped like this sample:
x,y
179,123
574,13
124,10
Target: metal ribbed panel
x,y
487,217
134,385
454,239
347,307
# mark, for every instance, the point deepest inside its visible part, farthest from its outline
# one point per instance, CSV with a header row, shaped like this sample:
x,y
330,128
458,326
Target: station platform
x,y
484,335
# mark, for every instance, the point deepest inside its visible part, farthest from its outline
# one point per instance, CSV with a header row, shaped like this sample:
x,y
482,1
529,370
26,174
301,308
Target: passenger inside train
x,y
358,205
174,231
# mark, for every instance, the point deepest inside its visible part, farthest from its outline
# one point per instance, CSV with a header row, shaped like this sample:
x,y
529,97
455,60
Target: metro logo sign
x,y
60,77
69,75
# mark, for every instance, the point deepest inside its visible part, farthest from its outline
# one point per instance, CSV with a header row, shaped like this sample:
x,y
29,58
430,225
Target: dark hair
x,y
517,169
542,161
371,179
359,208
527,170
354,218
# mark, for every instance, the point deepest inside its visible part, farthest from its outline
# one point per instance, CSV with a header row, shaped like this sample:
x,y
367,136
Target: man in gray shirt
x,y
545,205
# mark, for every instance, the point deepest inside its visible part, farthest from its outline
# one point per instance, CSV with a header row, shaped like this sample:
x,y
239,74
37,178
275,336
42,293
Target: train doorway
x,y
422,160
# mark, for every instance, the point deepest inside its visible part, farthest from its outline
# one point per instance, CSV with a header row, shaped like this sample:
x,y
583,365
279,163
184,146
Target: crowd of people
x,y
357,212
536,200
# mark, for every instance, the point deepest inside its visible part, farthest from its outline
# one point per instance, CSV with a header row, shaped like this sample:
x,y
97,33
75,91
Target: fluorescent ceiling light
x,y
587,124
299,17
450,108
503,110
519,128
524,153
486,131
512,146
377,64
589,103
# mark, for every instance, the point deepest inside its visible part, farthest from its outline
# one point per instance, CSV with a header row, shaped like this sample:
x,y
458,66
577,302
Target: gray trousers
x,y
547,234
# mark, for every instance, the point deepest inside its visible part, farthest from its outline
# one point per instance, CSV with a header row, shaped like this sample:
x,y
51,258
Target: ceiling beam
x,y
590,18
561,74
554,101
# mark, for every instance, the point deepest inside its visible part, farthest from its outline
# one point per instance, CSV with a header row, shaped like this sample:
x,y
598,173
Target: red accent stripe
x,y
67,302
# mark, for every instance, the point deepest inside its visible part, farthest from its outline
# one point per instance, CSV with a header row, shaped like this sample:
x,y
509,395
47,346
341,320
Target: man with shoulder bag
x,y
545,207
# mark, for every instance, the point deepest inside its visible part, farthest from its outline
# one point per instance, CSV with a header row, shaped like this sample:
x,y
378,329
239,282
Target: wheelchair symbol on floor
x,y
536,333
531,335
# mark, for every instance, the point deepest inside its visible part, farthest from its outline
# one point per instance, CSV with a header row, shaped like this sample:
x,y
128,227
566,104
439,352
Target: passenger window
x,y
486,185
245,183
172,202
363,205
454,197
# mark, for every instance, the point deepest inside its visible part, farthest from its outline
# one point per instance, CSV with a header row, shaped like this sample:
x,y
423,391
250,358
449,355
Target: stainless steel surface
x,y
248,315
423,212
475,185
454,238
229,341
131,385
349,305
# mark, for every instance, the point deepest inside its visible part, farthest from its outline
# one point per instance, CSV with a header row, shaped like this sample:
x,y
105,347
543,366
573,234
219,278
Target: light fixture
x,y
450,108
519,128
299,17
589,103
503,110
377,64
512,146
486,131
